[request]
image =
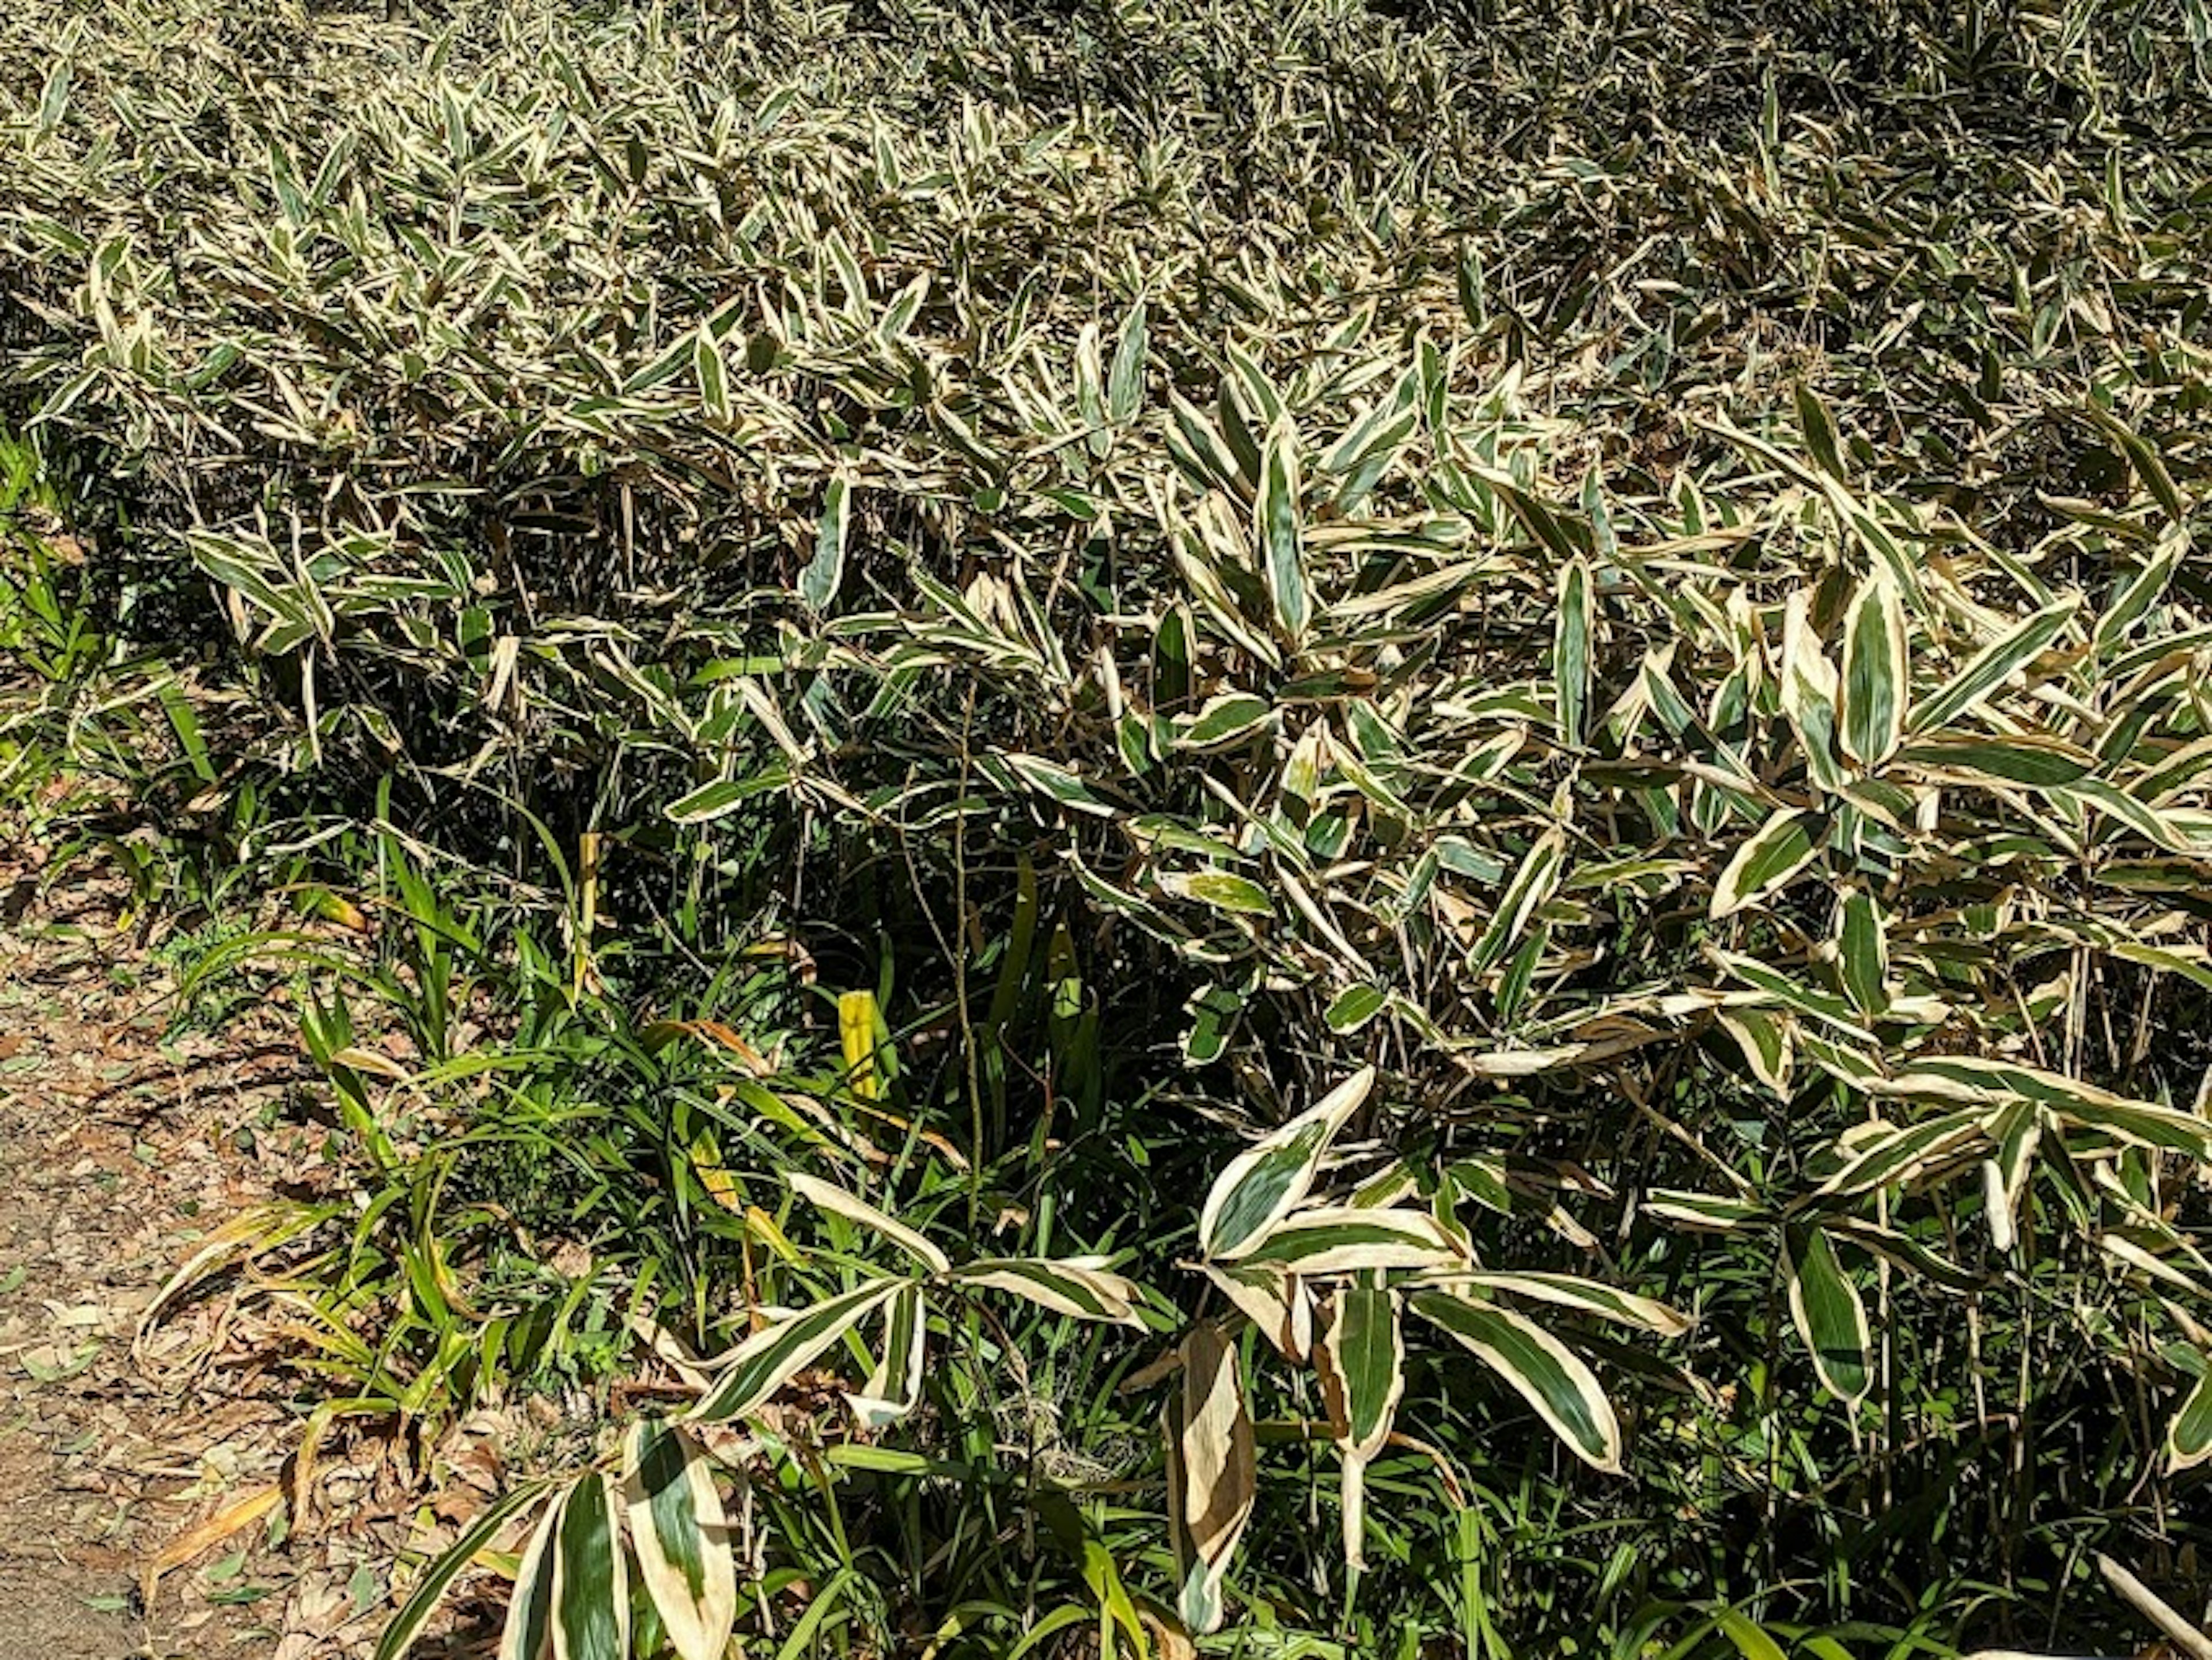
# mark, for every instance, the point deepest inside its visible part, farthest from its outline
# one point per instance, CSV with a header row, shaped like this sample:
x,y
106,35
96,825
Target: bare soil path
x,y
122,1141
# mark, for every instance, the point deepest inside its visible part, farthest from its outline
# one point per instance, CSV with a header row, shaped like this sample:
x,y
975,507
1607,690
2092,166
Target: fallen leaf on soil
x,y
216,1528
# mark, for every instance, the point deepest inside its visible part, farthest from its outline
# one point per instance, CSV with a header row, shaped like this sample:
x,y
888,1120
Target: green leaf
x,y
1265,1182
422,1602
1876,678
712,371
683,1544
1278,520
528,1627
749,1375
1361,1358
590,1588
1223,889
1348,1238
1766,862
1353,1007
1080,1288
2189,1438
1571,650
1829,1316
724,796
1820,427
1124,381
1992,666
1548,1375
819,582
1226,720
839,1202
2143,457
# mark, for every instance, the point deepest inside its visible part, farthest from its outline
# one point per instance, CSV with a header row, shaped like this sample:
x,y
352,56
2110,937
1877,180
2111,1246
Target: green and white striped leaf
x,y
1863,951
2030,758
1534,882
1570,651
1572,1291
2017,1131
2142,591
1565,1393
1765,864
1876,682
1896,1153
528,1627
749,1375
894,1387
438,1578
1362,1361
1222,891
682,1543
2189,1437
1702,1212
1273,1300
1830,1316
1213,1476
1125,381
1767,1040
1974,1080
1278,521
1063,786
1269,1179
839,1202
590,1576
825,571
1348,1238
1228,719
1809,693
1080,1288
1991,666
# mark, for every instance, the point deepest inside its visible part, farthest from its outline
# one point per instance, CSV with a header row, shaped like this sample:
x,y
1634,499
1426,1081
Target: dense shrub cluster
x,y
985,604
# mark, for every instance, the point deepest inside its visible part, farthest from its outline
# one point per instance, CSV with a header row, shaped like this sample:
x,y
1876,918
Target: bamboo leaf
x,y
1267,1181
1766,862
1991,666
825,573
1876,685
1361,1358
1211,1450
854,1209
1546,1373
590,1577
749,1375
1278,522
677,1528
1829,1316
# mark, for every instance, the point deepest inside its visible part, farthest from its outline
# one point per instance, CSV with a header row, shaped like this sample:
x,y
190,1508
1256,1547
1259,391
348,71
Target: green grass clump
x,y
990,606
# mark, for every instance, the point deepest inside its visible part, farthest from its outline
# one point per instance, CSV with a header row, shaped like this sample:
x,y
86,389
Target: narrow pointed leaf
x,y
1265,1182
1875,684
1831,1317
590,1577
1546,1374
750,1375
676,1527
835,1200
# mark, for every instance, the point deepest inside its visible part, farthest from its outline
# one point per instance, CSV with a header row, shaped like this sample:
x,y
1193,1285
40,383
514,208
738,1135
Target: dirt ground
x,y
142,1474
